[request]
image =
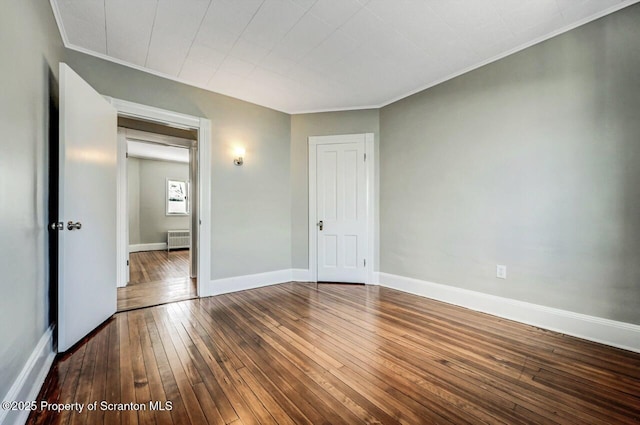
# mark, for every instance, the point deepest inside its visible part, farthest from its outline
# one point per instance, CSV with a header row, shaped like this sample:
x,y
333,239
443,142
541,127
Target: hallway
x,y
157,277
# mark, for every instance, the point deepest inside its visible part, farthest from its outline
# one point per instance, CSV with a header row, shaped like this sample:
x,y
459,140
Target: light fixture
x,y
238,160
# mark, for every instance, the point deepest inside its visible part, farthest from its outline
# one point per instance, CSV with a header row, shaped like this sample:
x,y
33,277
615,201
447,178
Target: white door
x,y
87,242
341,212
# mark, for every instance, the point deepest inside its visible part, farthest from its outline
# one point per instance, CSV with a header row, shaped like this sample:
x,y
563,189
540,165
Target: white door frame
x,y
369,150
122,219
175,119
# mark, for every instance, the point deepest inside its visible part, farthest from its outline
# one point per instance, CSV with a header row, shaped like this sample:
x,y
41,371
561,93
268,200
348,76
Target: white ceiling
x,y
137,149
315,55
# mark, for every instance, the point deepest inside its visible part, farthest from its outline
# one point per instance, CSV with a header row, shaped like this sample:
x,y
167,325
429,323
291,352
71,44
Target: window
x,y
177,199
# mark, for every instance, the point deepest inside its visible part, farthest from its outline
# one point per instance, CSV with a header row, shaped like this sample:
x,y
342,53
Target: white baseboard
x,y
301,275
28,383
160,246
251,281
241,283
604,331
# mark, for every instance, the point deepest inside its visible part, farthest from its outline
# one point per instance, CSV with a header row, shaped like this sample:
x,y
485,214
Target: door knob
x,y
71,225
58,225
320,224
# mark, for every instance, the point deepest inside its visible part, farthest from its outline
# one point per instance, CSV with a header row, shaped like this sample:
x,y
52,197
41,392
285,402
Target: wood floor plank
x,y
338,354
446,375
85,381
127,380
283,383
113,385
174,353
221,365
157,277
69,393
209,408
61,372
370,409
154,381
140,375
400,375
353,379
202,379
313,374
169,384
282,367
99,380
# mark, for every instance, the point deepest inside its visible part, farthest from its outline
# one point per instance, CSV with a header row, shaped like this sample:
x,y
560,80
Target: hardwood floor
x,y
157,277
289,354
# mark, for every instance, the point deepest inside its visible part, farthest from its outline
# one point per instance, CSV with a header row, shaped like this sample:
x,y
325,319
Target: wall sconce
x,y
238,160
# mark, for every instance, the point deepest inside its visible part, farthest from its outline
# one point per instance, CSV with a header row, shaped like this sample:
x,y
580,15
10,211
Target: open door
x,y
87,209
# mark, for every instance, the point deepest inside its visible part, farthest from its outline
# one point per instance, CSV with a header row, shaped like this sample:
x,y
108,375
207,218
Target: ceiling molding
x,y
58,17
158,74
65,40
337,109
294,111
510,52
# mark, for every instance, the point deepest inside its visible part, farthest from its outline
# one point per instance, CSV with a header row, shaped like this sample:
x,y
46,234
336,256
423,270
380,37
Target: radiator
x,y
178,239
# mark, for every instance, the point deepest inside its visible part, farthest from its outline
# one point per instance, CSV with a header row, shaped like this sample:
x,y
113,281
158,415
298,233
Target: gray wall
x,y
318,124
27,58
532,162
251,205
149,198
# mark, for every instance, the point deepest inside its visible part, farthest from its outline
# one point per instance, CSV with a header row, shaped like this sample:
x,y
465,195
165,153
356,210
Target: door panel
x,y
341,206
87,187
328,172
350,251
350,199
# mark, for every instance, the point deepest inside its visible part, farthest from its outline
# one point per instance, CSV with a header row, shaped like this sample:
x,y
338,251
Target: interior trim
x,y
159,246
203,125
552,34
604,331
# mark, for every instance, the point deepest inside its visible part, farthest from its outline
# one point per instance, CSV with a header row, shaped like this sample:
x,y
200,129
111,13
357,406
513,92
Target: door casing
x,y
124,136
203,208
371,200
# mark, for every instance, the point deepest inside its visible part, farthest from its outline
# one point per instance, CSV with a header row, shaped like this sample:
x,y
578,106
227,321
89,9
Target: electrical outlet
x,y
501,271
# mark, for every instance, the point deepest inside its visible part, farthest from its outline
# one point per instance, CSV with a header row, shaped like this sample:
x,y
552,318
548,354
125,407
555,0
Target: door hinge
x,y
365,157
126,154
365,262
127,263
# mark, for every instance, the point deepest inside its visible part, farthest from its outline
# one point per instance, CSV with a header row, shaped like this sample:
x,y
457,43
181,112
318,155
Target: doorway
x,y
141,120
90,220
160,181
341,208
